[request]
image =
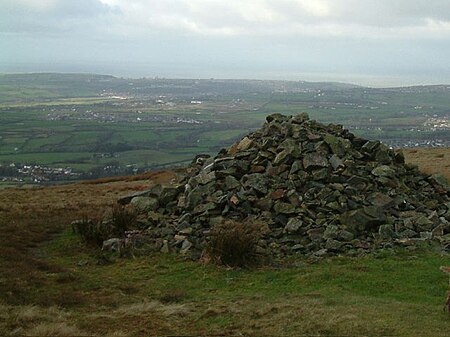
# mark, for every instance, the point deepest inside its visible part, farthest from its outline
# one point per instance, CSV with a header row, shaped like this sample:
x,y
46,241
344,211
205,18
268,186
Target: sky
x,y
368,42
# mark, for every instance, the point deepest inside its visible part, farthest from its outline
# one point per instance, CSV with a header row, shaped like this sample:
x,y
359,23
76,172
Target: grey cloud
x,y
59,17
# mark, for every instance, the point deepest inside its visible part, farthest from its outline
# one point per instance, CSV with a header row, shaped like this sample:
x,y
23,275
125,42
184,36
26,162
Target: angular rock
x,y
294,225
145,204
314,160
317,188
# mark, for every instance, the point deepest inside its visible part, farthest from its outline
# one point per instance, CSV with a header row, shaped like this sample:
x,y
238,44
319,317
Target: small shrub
x,y
235,244
95,231
123,218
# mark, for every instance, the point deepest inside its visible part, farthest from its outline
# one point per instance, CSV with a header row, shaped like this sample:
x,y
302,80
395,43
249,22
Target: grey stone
x,y
284,208
363,219
381,200
336,162
231,183
331,232
386,232
294,225
383,171
345,235
317,188
315,234
333,245
257,181
338,145
112,245
168,194
145,204
314,160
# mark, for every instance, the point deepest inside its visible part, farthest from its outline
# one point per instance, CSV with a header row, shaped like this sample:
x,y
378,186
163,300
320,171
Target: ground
x,y
52,284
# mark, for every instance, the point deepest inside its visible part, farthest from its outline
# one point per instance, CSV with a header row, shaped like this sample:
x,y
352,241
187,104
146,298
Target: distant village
x,y
36,174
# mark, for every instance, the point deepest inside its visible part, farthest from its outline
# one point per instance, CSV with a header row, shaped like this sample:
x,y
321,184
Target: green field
x,y
88,121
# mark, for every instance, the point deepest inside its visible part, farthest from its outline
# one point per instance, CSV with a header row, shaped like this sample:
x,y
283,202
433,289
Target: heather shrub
x,y
96,230
123,219
235,244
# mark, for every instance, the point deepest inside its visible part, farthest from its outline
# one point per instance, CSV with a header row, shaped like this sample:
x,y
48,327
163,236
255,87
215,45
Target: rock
x,y
333,245
426,235
386,232
168,194
383,171
145,204
407,233
124,200
440,230
315,234
370,146
339,146
284,208
206,177
381,200
345,236
336,163
440,180
318,189
231,183
165,247
294,225
331,232
383,155
277,194
363,219
314,160
244,144
257,181
185,246
112,245
422,222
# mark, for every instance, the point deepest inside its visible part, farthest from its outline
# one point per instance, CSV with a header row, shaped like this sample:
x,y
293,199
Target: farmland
x,y
60,127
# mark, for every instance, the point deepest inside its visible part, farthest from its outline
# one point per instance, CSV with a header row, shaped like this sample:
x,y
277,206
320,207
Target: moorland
x,y
53,284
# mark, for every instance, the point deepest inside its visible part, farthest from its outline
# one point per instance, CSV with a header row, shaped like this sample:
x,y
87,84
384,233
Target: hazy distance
x,y
367,42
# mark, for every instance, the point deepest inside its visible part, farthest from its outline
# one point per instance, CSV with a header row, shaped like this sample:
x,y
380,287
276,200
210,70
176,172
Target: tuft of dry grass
x,y
430,160
137,309
55,329
235,244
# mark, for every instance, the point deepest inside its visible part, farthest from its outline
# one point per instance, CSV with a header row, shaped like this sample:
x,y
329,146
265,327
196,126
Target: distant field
x,y
87,122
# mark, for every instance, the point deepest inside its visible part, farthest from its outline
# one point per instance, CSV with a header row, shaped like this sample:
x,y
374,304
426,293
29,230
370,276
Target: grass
x,y
431,161
52,284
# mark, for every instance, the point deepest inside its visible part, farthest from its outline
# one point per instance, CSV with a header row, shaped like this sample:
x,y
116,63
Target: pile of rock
x,y
318,188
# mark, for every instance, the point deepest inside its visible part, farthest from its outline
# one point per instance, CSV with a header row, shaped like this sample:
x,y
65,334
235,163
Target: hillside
x,y
52,284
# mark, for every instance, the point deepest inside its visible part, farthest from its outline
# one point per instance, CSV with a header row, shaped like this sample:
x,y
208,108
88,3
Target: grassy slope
x,y
430,161
51,284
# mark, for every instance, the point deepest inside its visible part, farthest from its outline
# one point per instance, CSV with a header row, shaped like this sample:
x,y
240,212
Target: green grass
x,y
398,294
50,158
53,284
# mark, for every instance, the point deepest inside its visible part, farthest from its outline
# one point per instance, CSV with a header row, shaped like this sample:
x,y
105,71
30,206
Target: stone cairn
x,y
318,189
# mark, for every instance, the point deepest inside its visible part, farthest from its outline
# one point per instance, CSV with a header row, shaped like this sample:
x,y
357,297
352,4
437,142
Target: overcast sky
x,y
370,42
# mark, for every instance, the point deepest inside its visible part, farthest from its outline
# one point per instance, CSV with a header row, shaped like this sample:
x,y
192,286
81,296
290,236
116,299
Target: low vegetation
x,y
52,284
235,244
96,230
